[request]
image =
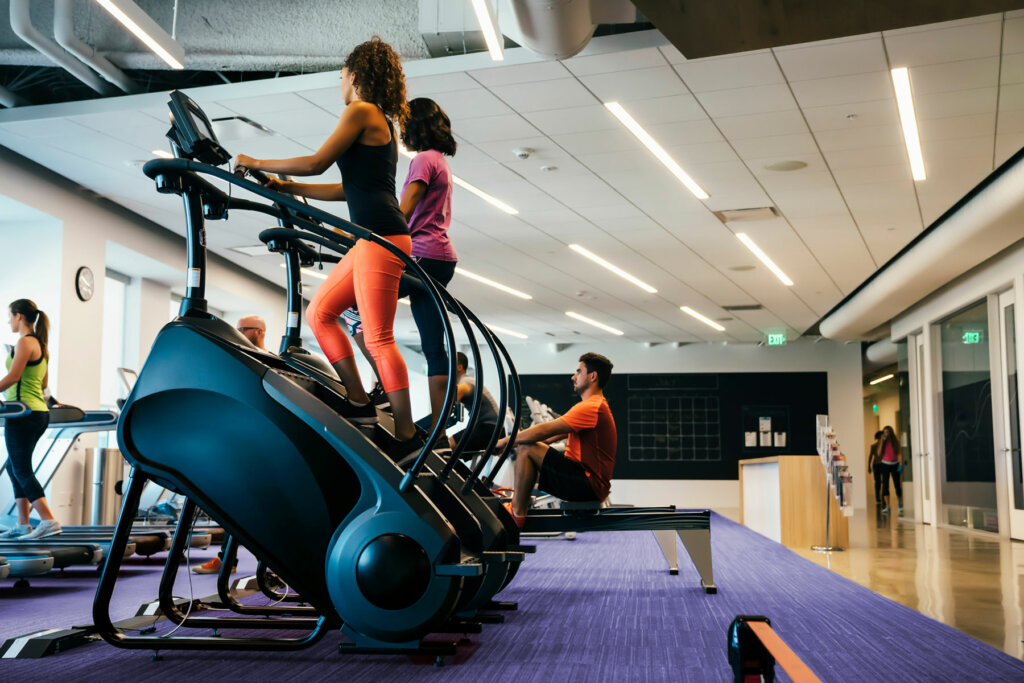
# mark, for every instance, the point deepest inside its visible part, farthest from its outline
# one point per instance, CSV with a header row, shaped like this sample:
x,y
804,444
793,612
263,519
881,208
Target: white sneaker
x,y
15,532
48,527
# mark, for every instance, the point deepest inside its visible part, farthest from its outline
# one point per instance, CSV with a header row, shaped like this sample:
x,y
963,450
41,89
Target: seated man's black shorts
x,y
481,435
564,478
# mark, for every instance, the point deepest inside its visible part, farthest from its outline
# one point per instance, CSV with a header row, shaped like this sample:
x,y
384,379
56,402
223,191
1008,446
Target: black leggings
x,y
890,470
425,314
21,435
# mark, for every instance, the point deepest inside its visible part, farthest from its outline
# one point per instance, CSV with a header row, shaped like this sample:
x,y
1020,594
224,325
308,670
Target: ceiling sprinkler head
x,y
522,152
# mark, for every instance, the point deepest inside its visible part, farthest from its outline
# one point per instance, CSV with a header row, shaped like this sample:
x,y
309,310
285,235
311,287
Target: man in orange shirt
x,y
584,473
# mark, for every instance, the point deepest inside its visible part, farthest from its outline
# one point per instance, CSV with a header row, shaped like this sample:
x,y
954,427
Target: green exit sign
x,y
777,339
972,337
874,407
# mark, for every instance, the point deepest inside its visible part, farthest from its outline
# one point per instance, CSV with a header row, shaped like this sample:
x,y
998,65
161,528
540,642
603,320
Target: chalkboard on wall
x,y
693,426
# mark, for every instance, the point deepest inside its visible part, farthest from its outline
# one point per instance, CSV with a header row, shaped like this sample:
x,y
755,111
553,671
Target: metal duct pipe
x,y
561,28
64,32
10,99
21,24
884,351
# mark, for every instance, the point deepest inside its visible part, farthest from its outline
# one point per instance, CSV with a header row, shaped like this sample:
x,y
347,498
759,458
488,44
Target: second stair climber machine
x,y
385,552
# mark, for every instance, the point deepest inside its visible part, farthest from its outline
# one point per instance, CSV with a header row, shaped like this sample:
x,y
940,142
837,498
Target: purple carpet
x,y
600,608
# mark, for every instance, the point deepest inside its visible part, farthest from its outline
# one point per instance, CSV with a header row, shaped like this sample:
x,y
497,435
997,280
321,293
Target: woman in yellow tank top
x,y
25,381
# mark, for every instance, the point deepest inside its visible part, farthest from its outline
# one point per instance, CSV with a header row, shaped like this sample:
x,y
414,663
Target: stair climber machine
x,y
385,551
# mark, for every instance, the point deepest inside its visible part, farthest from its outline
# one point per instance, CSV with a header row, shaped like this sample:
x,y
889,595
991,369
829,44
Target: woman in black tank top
x,y
366,150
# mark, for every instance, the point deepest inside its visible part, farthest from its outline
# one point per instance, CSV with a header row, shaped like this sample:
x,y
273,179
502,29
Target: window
x,y
115,294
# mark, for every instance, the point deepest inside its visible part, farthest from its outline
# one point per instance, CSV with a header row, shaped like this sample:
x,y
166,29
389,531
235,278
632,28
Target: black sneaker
x,y
378,397
409,448
366,414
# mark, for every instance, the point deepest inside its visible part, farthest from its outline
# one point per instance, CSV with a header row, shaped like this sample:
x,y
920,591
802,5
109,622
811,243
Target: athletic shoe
x,y
520,521
16,532
366,414
885,510
406,449
901,509
378,397
46,528
212,566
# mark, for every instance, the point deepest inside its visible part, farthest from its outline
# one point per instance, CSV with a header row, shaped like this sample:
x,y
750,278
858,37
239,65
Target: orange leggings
x,y
367,277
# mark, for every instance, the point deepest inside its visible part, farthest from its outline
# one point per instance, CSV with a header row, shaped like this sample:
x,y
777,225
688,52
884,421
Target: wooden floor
x,y
972,581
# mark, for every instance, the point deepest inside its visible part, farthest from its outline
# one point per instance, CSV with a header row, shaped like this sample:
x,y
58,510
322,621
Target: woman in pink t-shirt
x,y
890,455
427,205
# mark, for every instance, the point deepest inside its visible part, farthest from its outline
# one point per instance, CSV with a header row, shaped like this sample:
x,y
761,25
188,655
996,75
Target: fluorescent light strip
x,y
132,24
163,154
489,26
484,196
905,102
590,321
492,283
881,379
615,269
310,272
650,143
763,257
517,335
703,318
493,201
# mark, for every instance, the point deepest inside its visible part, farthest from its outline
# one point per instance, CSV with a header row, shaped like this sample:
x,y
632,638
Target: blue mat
x,y
600,608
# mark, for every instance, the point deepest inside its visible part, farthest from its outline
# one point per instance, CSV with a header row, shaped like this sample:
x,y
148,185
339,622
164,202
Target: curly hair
x,y
428,127
377,75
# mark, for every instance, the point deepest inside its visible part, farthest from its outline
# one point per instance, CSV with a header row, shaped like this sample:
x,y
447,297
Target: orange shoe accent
x,y
520,521
211,566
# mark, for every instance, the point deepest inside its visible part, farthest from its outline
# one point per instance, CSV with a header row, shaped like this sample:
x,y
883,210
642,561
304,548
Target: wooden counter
x,y
783,498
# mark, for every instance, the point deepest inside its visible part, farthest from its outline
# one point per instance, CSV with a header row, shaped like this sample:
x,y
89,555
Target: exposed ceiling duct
x,y
21,24
882,352
9,99
64,32
986,221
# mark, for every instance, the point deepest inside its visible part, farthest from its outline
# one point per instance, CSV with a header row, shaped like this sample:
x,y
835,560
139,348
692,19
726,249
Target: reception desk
x,y
783,498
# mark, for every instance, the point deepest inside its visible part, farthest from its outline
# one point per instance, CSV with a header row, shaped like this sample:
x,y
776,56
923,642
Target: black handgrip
x,y
259,176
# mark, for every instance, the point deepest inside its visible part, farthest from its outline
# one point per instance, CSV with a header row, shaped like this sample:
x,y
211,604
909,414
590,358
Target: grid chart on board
x,y
674,427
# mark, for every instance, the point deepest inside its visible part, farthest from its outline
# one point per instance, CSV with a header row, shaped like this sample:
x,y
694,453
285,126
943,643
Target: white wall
x,y
87,225
842,362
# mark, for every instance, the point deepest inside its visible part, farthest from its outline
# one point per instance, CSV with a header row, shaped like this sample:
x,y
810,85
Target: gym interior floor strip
x,y
600,608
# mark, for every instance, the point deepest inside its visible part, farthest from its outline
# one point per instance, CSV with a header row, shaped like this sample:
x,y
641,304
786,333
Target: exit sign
x,y
777,339
972,337
874,407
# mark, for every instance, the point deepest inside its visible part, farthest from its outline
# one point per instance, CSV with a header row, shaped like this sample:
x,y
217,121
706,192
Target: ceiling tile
x,y
776,146
467,104
657,110
975,125
328,99
594,142
964,75
855,137
744,101
1013,35
491,128
870,175
829,59
1012,69
638,84
955,103
867,157
730,71
307,122
876,113
573,120
762,125
819,201
428,86
588,65
943,45
253,106
823,92
1011,99
555,94
684,133
520,73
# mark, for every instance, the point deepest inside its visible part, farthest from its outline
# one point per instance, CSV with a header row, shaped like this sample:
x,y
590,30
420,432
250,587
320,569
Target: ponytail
x,y
39,321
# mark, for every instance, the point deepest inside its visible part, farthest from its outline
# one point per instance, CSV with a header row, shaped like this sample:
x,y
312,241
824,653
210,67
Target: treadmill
x,y
37,557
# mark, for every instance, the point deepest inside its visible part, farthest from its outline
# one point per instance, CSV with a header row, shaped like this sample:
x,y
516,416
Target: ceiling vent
x,y
764,213
256,250
743,307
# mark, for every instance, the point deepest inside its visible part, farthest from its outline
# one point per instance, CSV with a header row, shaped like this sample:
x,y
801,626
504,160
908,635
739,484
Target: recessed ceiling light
x,y
651,144
162,154
786,166
591,321
763,257
761,213
148,31
255,250
239,128
615,269
701,317
905,103
517,335
881,379
741,269
492,283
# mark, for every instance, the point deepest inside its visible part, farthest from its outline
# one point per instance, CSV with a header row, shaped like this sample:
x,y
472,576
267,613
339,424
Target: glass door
x,y
1010,446
918,471
969,472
